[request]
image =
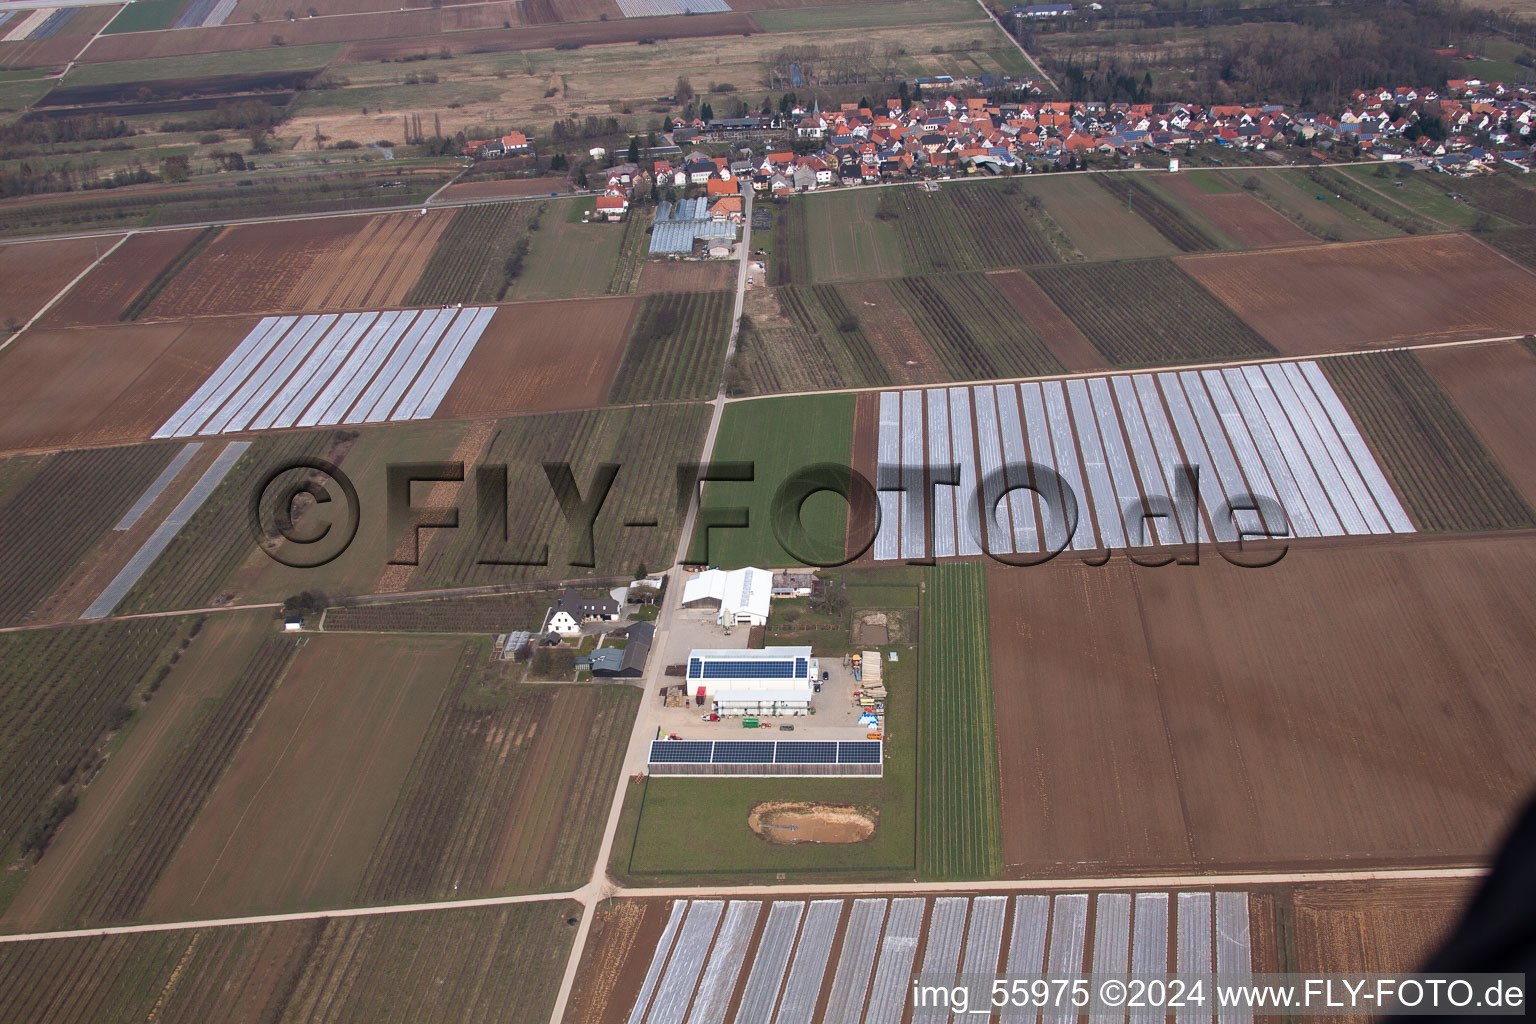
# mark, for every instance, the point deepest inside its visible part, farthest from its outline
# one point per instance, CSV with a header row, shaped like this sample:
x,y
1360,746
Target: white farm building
x,y
769,681
741,595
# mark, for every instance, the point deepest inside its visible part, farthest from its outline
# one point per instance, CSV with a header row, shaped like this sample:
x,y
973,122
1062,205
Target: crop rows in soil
x,y
973,328
491,613
821,314
1443,472
469,262
50,524
791,259
194,569
504,794
647,443
1149,313
59,692
120,885
959,823
972,227
1158,212
676,349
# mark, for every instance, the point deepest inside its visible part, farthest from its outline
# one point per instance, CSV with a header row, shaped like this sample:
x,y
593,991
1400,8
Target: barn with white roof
x,y
741,596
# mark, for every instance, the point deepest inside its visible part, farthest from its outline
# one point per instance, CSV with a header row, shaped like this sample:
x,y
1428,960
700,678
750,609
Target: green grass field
x,y
1422,193
567,258
240,62
851,16
696,829
779,436
145,16
846,242
959,825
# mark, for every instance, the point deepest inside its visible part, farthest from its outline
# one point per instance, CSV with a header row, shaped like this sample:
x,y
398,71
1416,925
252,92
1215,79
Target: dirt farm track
x,y
1204,717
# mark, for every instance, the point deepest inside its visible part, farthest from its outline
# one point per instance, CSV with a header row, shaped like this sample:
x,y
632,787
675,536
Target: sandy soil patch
x,y
793,823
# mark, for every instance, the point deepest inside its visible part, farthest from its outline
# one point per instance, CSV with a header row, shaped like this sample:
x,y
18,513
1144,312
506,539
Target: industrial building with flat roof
x,y
771,681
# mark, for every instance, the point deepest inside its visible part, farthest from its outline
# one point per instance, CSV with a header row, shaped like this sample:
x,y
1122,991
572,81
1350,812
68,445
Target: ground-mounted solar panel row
x,y
327,369
715,962
1113,461
661,8
766,757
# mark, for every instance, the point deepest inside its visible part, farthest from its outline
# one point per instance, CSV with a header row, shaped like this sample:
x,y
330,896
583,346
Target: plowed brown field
x,y
31,273
107,290
105,385
1362,295
62,46
687,277
891,331
1248,222
336,263
1209,717
1374,927
1493,385
1061,334
543,357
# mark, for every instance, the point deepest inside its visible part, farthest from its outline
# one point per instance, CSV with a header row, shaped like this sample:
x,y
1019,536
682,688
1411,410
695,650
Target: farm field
x,y
476,613
1316,210
568,259
1491,386
59,515
59,48
305,798
1370,201
1060,335
1110,701
31,273
1424,194
1435,288
501,188
780,436
306,266
959,825
1148,313
673,827
700,276
974,226
469,262
508,793
155,205
1444,472
1517,243
907,353
1094,220
212,655
106,385
1372,927
107,291
486,963
1502,196
974,330
647,443
802,338
525,362
64,693
676,348
1178,226
1249,223
199,567
831,236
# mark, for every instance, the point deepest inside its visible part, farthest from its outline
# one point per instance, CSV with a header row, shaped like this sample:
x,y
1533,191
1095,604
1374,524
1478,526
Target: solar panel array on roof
x,y
806,752
755,669
682,751
765,752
